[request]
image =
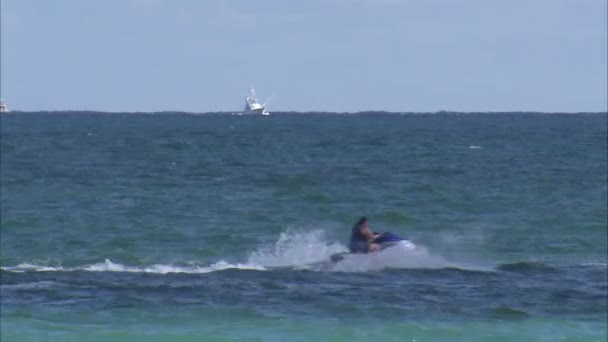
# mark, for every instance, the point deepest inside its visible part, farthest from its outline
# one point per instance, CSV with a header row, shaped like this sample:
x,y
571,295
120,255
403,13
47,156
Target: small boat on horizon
x,y
3,106
253,106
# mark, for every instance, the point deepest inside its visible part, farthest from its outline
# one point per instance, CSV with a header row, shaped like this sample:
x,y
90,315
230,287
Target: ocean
x,y
218,227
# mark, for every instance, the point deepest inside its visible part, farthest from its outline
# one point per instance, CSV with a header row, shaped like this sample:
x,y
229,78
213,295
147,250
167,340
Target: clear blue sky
x,y
325,55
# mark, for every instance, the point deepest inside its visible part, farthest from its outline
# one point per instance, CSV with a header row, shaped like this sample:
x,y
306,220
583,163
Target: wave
x,y
505,312
44,284
310,250
296,250
402,256
109,266
526,267
594,263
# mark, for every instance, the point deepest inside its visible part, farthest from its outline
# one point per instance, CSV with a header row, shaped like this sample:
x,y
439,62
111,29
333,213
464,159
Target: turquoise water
x,y
126,227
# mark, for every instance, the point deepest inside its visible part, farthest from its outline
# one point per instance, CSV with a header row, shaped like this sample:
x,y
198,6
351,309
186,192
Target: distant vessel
x,y
3,106
252,106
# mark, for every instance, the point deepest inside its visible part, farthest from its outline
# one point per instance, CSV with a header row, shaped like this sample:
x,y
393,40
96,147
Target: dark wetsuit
x,y
358,243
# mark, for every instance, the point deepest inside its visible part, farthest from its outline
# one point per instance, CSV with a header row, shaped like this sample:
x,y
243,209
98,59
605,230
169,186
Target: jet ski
x,y
387,239
384,240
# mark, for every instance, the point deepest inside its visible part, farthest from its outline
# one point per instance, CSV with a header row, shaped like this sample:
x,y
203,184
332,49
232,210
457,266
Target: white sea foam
x,y
296,248
164,269
30,266
109,266
310,250
293,249
403,255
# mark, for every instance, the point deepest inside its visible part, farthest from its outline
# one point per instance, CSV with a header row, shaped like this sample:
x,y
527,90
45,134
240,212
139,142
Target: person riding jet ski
x,y
362,237
364,240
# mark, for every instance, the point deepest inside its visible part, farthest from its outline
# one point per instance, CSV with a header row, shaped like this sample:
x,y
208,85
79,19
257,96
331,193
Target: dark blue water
x,y
175,226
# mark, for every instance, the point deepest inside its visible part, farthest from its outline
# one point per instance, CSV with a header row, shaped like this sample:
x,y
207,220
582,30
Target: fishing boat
x,y
3,106
253,106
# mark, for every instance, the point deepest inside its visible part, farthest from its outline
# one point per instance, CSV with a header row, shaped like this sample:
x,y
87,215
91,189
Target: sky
x,y
314,55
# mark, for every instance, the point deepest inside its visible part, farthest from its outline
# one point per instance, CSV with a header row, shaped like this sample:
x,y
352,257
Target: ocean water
x,y
140,227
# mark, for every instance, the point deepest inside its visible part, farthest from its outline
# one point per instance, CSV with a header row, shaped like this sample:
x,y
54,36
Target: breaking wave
x,y
299,250
110,266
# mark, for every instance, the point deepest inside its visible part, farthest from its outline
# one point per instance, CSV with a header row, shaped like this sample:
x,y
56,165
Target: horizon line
x,y
292,112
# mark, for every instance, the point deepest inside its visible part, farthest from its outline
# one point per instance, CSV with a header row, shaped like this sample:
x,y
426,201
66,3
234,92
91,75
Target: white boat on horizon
x,y
3,106
253,106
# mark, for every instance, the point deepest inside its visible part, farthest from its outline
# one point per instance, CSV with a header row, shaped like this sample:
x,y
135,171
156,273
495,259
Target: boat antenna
x,y
268,101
